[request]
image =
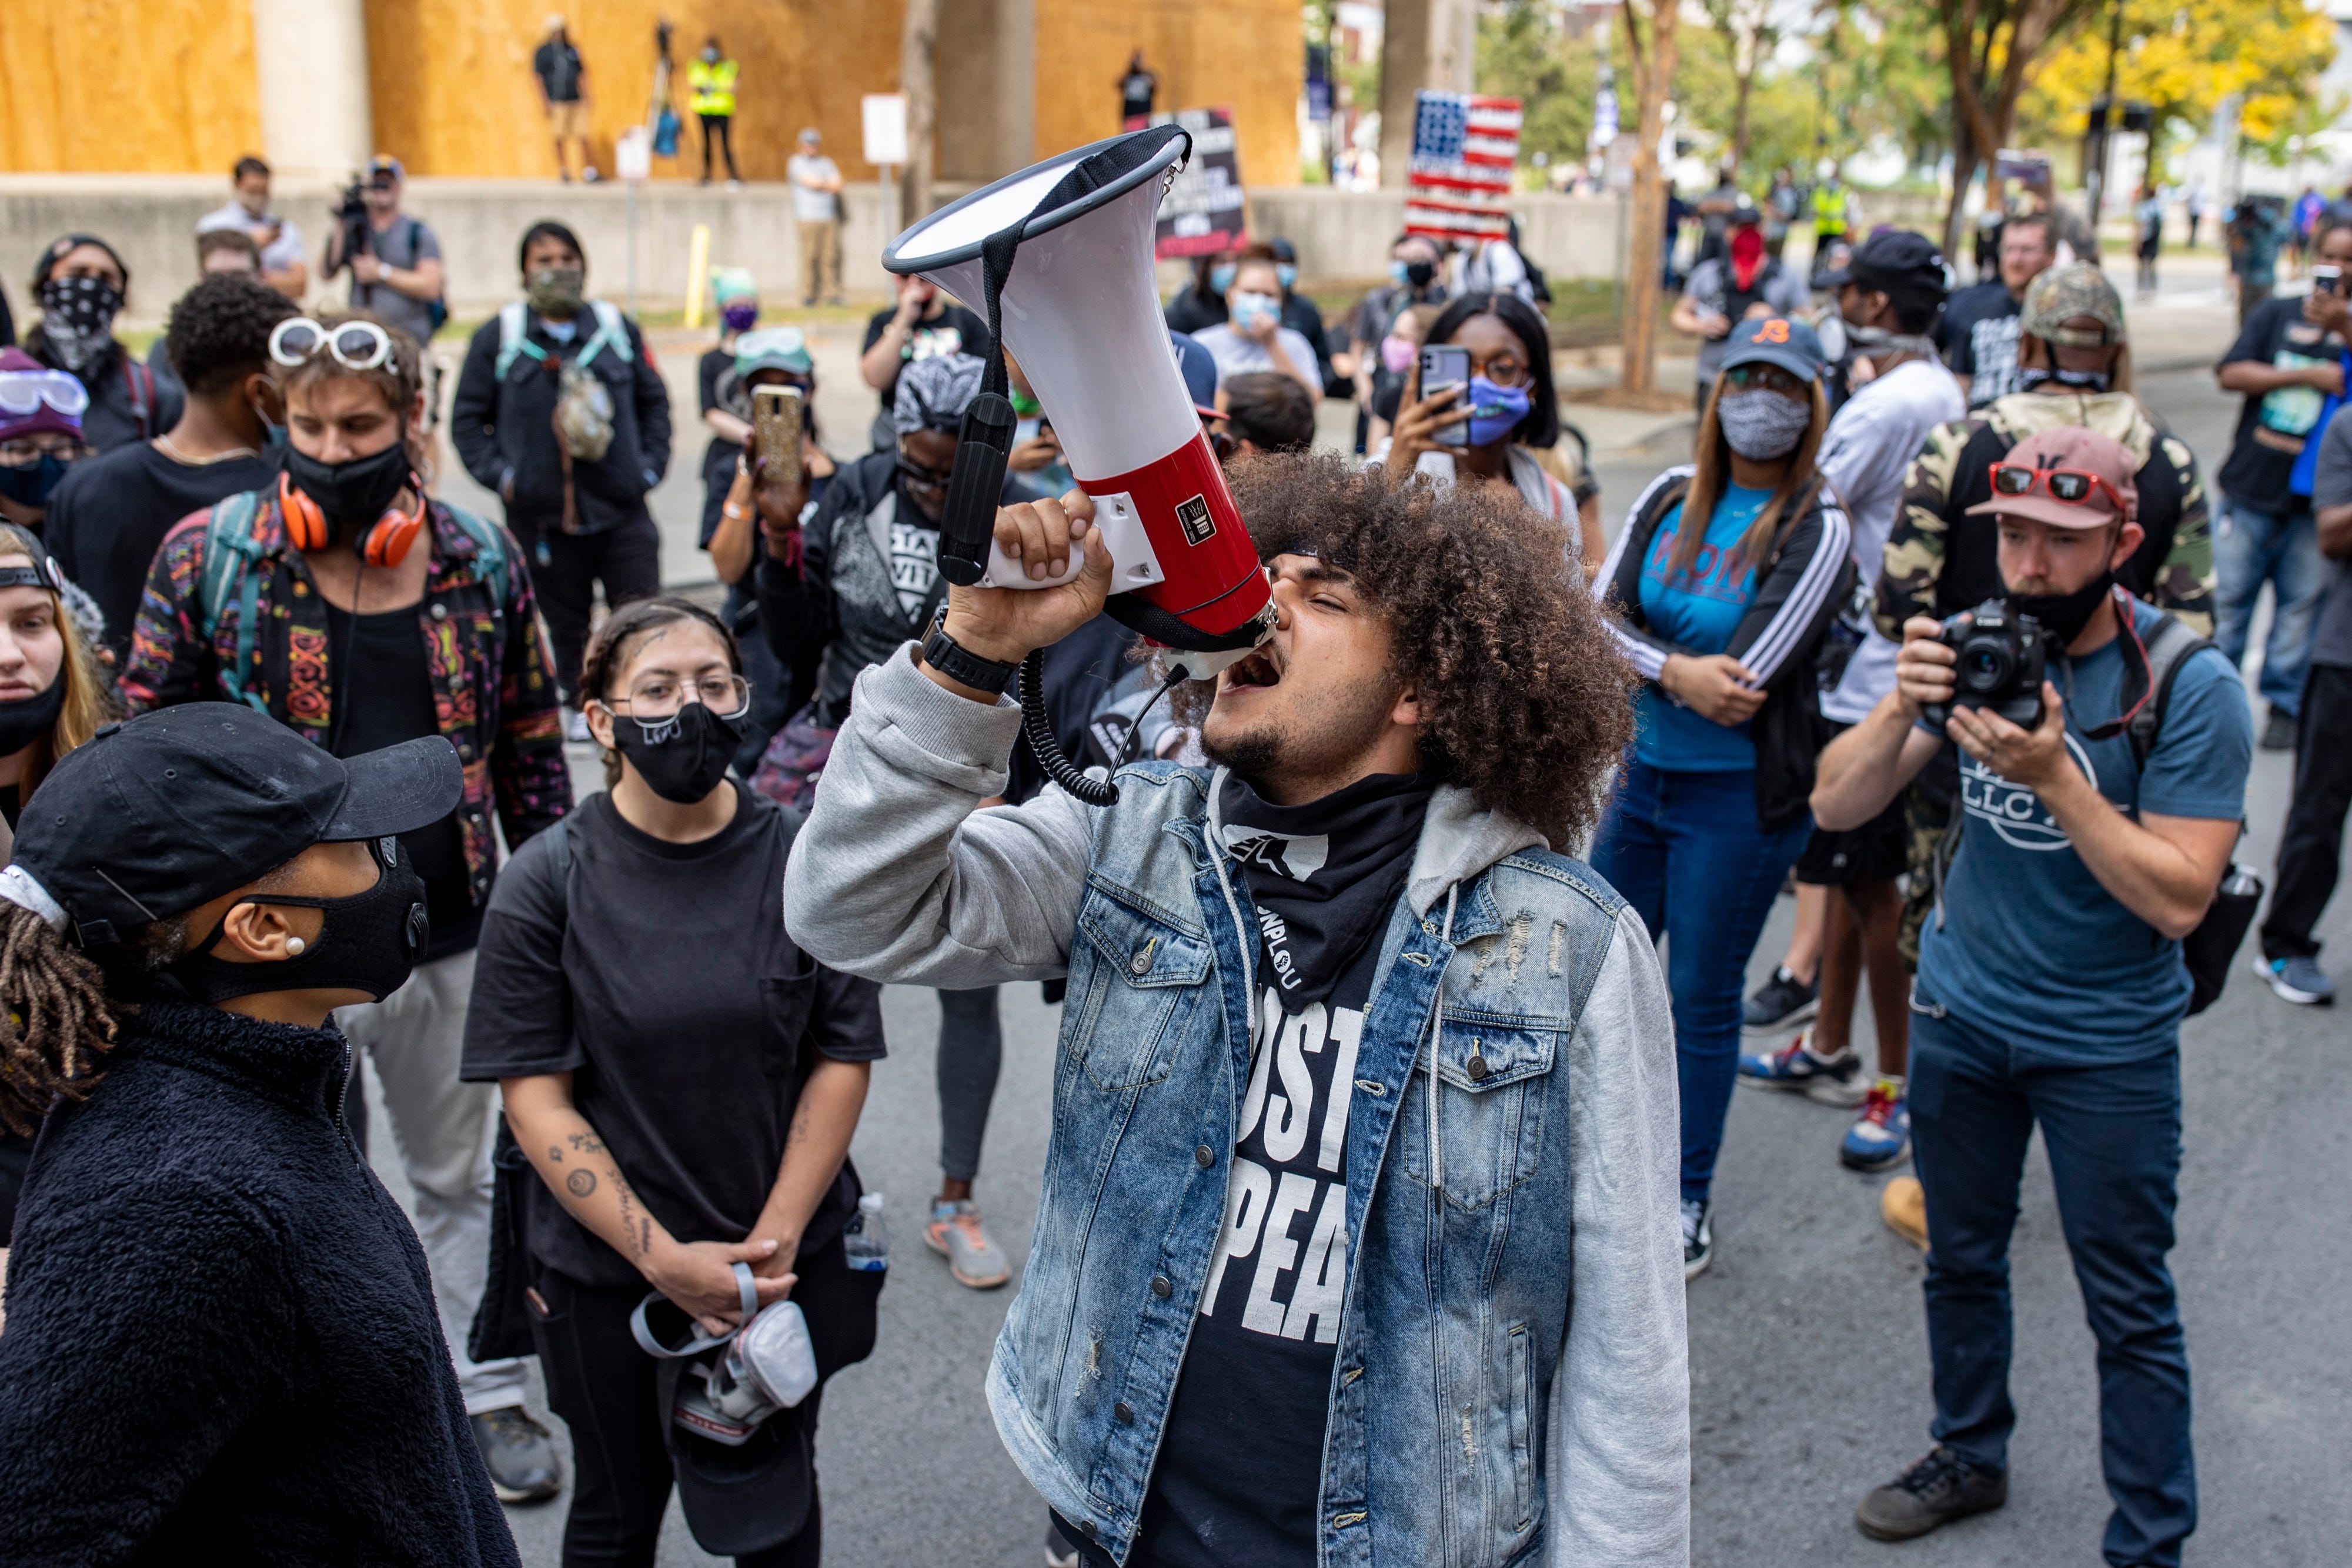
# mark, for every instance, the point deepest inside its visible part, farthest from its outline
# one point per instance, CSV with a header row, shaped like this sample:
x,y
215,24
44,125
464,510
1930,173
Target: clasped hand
x,y
698,1278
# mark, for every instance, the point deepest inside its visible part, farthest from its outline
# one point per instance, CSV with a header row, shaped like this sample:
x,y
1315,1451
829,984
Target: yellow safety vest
x,y
713,86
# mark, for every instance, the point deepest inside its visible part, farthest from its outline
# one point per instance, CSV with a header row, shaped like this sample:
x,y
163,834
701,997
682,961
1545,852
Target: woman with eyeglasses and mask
x,y
53,696
847,590
1723,619
359,611
737,493
1514,417
684,1082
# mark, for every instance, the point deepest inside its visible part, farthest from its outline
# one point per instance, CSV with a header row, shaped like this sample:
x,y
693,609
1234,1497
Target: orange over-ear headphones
x,y
384,543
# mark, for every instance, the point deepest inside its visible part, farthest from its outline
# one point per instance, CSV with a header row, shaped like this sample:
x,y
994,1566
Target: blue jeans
x,y
1686,852
2114,1138
2252,546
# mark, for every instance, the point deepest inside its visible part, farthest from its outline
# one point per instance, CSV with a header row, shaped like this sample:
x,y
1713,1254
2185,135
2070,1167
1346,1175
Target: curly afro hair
x,y
220,331
1489,618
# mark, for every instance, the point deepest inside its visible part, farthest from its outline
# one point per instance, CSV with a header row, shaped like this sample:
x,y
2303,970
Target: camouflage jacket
x,y
1940,561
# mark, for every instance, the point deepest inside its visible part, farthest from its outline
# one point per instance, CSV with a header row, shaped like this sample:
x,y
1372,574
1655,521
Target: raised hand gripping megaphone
x,y
1059,256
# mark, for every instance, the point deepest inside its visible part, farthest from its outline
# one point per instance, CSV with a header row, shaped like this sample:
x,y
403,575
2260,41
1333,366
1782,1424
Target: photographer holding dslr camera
x,y
2050,985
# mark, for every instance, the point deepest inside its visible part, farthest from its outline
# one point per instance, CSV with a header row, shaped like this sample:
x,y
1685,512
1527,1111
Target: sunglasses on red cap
x,y
2073,485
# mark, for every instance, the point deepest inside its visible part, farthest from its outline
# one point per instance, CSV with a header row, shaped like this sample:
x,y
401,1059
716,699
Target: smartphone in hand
x,y
1447,365
776,434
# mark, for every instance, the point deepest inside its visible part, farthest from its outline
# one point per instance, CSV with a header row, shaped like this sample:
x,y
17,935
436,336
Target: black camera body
x,y
351,217
1997,665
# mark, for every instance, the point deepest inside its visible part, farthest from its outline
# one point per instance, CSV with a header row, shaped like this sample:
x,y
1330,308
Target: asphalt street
x,y
1808,1355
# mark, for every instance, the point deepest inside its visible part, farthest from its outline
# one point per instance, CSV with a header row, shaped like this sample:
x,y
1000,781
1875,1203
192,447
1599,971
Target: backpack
x,y
232,566
2208,951
611,330
502,1325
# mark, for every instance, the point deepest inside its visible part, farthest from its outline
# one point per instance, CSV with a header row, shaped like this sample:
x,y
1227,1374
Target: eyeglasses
x,y
354,345
22,391
659,697
1768,378
24,454
1502,369
2072,485
919,477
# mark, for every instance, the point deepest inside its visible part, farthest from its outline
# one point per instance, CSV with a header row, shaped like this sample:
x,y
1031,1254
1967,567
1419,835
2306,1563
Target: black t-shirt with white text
x,y
2273,426
1240,1458
954,331
1978,333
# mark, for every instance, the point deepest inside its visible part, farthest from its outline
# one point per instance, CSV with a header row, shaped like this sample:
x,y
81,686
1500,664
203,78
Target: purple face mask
x,y
740,318
1495,411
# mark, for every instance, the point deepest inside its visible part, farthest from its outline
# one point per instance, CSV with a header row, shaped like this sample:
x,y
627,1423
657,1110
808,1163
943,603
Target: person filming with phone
x,y
2098,806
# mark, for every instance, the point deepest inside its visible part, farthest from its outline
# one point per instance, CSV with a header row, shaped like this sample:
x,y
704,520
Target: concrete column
x,y
1424,44
311,64
988,96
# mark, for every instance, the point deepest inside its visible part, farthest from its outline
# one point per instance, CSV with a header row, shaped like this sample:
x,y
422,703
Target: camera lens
x,y
1984,665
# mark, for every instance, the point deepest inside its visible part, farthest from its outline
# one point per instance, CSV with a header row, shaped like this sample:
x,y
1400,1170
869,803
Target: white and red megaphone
x,y
1059,258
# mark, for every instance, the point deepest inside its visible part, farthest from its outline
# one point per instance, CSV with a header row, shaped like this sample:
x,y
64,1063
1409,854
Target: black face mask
x,y
352,495
2073,380
684,757
27,719
2064,615
1419,273
368,941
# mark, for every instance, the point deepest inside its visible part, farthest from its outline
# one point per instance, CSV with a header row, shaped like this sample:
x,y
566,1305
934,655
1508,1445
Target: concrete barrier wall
x,y
151,220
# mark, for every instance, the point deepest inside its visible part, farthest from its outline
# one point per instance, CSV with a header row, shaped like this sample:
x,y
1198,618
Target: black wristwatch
x,y
961,665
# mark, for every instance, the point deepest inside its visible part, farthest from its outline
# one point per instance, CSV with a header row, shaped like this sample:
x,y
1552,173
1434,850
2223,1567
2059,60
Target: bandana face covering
x,y
557,291
27,719
1746,255
1495,411
1761,424
78,318
683,757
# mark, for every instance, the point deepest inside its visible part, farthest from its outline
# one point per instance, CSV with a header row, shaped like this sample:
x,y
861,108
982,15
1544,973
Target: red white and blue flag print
x,y
1464,147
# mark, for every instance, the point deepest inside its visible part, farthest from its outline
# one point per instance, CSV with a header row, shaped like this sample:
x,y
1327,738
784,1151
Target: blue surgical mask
x,y
1495,411
1249,309
1287,272
1221,277
1396,273
30,486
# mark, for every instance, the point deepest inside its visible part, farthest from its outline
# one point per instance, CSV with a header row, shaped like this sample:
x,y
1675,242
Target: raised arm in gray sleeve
x,y
2331,484
896,877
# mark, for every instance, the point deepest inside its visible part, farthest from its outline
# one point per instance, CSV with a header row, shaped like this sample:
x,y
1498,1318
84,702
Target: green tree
x,y
1989,45
1525,53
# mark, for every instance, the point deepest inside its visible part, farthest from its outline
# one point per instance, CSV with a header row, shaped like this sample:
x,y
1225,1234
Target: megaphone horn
x,y
1070,293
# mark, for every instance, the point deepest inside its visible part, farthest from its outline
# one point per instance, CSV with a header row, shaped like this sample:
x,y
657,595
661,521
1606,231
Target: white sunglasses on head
x,y
354,345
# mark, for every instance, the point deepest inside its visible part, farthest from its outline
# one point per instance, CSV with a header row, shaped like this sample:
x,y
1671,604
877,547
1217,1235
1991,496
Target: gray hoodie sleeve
x,y
1619,1481
896,878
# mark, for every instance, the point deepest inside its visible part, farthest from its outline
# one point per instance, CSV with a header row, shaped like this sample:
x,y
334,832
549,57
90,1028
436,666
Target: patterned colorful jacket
x,y
493,681
1940,561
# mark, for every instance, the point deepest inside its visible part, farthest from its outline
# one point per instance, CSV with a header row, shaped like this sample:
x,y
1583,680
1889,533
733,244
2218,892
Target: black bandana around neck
x,y
1325,875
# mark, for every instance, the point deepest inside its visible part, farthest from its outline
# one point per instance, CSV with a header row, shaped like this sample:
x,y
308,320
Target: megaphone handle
x,y
968,520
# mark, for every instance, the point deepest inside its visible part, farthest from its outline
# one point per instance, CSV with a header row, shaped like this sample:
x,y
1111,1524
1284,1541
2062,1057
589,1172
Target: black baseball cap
x,y
168,810
1904,267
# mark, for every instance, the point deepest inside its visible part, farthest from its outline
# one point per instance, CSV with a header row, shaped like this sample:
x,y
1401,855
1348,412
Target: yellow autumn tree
x,y
2182,57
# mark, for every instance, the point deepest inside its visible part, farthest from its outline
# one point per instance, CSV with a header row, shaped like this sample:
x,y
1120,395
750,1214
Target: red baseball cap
x,y
2076,450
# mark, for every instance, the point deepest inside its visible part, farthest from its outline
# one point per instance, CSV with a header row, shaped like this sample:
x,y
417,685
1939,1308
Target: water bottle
x,y
864,1238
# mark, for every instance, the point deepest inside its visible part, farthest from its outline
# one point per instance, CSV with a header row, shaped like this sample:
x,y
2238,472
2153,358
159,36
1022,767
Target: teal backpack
x,y
232,568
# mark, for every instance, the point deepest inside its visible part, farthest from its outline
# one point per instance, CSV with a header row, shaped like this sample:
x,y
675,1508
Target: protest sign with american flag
x,y
1464,148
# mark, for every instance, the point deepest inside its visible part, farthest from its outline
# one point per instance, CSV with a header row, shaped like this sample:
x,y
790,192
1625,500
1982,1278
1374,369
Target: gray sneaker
x,y
2298,979
1939,1488
520,1454
956,1234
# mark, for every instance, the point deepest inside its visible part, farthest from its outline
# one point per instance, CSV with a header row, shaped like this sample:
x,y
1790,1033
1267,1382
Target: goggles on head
x,y
354,345
22,391
45,575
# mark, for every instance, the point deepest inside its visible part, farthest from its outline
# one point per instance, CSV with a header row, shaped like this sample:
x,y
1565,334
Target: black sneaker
x,y
2278,731
1939,1488
520,1454
1698,1236
1782,1002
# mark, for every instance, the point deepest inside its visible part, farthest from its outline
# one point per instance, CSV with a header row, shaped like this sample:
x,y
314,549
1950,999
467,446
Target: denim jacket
x,y
1511,1384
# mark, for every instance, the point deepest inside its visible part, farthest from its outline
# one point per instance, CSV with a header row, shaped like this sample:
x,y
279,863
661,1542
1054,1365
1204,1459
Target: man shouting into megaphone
x,y
1360,1239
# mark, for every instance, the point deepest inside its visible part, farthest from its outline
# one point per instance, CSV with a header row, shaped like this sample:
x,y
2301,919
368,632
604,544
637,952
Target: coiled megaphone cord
x,y
1037,729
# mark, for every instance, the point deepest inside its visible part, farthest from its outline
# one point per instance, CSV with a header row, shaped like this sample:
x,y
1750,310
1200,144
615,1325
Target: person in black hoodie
x,y
581,516
81,285
221,1344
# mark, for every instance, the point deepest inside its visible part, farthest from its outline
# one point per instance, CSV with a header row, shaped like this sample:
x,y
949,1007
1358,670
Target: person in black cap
x,y
1887,292
80,285
222,1343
